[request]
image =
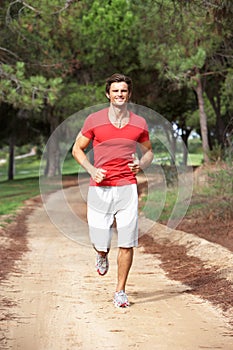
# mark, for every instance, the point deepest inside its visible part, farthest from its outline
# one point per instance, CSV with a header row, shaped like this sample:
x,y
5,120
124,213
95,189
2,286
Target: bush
x,y
221,182
195,146
216,154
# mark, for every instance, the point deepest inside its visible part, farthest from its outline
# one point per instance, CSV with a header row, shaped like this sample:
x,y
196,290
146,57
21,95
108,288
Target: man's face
x,y
118,93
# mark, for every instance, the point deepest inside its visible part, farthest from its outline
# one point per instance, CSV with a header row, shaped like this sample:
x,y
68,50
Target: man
x,y
116,132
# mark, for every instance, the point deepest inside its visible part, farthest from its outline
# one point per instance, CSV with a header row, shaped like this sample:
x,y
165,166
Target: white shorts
x,y
104,204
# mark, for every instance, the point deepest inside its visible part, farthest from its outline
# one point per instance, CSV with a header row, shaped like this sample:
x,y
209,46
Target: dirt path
x,y
59,302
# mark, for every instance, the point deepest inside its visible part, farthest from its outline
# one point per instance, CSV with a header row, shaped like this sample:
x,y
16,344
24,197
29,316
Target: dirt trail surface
x,y
55,300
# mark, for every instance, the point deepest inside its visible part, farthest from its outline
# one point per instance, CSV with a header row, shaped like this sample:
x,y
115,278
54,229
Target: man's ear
x,y
107,95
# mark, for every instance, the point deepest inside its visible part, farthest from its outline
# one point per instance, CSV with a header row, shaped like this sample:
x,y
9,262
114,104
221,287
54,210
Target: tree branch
x,y
29,7
10,52
67,4
213,73
65,7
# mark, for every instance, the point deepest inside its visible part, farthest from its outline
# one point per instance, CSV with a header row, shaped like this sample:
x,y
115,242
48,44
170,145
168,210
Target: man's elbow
x,y
75,152
151,155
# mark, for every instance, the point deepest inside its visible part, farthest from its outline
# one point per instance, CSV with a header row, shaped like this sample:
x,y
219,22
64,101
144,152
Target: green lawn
x,y
29,167
156,201
195,159
26,181
14,193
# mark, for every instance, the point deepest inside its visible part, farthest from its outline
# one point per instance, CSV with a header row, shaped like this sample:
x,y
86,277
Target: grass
x,y
29,167
195,159
24,168
26,183
215,196
14,193
159,205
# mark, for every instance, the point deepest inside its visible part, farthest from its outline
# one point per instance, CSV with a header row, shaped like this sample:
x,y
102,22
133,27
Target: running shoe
x,y
120,299
102,264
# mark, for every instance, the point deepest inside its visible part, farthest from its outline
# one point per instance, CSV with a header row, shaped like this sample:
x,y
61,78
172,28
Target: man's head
x,y
118,87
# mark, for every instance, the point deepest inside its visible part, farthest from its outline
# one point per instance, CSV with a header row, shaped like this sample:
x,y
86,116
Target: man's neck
x,y
118,112
118,115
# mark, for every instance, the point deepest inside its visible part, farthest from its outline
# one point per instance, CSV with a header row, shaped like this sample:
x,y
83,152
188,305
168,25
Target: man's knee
x,y
125,251
126,248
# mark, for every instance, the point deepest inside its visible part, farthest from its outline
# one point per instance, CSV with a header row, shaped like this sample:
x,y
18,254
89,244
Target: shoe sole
x,y
122,306
101,274
98,270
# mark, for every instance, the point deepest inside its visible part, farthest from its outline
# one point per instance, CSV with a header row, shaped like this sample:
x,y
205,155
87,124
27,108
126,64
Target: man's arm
x,y
80,145
147,155
146,159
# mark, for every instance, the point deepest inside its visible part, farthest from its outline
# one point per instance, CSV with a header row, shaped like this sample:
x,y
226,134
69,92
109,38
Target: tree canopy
x,y
55,56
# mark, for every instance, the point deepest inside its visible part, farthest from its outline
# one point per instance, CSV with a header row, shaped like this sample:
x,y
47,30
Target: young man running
x,y
116,132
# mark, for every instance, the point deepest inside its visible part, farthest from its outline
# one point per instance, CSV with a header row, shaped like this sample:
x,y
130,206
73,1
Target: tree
x,y
170,48
81,41
27,81
19,94
218,16
15,131
177,45
108,38
177,108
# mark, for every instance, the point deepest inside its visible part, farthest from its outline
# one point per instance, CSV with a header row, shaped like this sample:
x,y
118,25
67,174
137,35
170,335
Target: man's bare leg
x,y
124,261
102,253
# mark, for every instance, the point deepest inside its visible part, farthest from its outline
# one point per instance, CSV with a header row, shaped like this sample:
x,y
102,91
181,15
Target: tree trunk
x,y
11,164
173,149
185,136
53,157
172,143
219,125
53,150
203,119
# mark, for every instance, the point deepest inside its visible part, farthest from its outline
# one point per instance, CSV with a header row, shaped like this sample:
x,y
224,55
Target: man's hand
x,y
134,166
98,174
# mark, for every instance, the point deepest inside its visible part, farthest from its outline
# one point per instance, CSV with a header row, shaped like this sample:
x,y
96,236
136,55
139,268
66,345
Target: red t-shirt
x,y
113,147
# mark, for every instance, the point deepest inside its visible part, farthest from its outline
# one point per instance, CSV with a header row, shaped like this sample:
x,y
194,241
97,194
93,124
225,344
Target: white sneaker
x,y
120,299
102,264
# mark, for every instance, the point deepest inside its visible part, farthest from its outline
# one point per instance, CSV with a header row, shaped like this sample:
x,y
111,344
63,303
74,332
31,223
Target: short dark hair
x,y
118,78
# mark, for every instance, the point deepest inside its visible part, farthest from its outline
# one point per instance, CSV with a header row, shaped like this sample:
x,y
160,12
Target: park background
x,y
54,58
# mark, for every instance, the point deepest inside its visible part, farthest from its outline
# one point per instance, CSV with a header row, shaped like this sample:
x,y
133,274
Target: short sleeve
x,y
87,129
144,136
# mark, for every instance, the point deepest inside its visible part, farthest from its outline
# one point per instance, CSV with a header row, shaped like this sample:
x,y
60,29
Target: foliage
x,y
227,92
182,44
221,183
108,36
195,146
55,55
216,154
75,97
26,93
214,197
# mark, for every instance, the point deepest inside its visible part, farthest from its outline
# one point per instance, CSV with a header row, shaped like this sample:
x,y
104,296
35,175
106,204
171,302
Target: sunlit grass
x,y
195,159
26,184
14,193
159,205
